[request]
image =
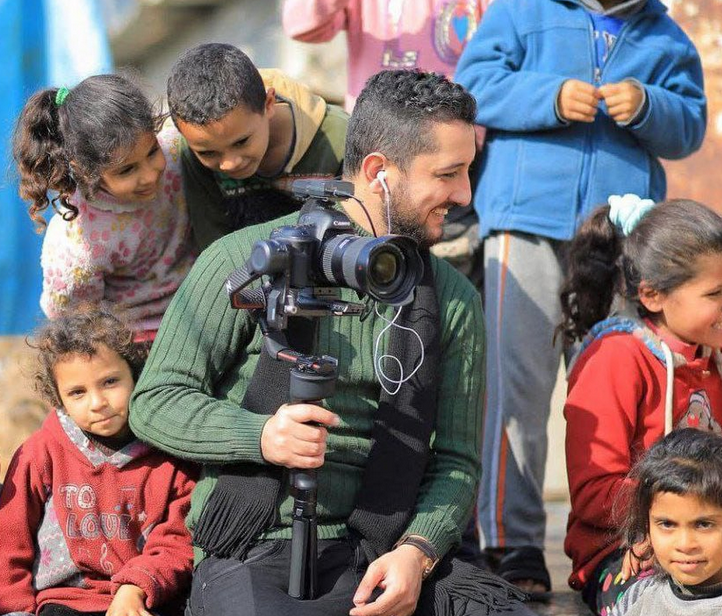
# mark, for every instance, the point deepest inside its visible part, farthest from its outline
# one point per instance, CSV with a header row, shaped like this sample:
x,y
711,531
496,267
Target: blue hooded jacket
x,y
543,176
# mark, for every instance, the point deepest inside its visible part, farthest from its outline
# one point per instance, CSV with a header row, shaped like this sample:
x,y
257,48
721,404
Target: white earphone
x,y
381,177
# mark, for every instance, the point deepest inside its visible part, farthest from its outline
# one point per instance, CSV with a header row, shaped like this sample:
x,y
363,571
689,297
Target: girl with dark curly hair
x,y
120,232
93,519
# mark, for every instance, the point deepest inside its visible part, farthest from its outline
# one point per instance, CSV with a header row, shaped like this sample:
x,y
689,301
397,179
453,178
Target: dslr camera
x,y
305,264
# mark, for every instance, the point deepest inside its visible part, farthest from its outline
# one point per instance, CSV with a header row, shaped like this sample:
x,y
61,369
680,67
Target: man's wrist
x,y
429,558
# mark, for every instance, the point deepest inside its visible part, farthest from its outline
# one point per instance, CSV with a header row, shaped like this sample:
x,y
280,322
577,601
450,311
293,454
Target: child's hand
x,y
129,600
578,101
631,564
623,99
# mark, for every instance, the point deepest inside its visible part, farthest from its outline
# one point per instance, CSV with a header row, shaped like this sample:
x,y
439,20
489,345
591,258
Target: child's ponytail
x,y
39,151
653,245
594,275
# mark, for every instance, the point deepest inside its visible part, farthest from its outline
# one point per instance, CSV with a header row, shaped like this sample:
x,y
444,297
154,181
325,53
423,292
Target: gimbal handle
x,y
312,379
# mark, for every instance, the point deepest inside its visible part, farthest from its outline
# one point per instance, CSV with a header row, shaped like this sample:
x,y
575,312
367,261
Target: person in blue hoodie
x,y
581,98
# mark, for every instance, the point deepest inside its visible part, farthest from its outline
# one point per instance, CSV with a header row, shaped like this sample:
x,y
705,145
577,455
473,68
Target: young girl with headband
x,y
120,233
675,519
641,371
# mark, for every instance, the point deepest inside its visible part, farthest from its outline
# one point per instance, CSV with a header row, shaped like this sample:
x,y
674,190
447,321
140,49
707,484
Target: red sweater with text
x,y
78,523
615,410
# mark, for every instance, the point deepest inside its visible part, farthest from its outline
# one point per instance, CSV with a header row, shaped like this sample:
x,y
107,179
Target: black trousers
x,y
60,610
52,609
258,586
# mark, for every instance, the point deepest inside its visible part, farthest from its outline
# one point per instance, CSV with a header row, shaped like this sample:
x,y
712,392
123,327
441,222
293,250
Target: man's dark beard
x,y
411,229
406,223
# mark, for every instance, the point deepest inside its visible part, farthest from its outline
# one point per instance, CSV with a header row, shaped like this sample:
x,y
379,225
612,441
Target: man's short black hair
x,y
210,80
395,112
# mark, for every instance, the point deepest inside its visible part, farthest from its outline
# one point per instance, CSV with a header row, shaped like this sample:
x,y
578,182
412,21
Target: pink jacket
x,y
385,34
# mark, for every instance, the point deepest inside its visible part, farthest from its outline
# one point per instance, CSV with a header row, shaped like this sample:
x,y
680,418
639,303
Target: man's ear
x,y
370,167
650,298
269,107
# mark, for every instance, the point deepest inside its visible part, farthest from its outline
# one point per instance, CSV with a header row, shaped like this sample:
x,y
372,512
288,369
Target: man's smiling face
x,y
433,183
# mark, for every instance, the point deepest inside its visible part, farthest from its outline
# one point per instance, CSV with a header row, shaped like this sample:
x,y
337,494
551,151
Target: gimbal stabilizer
x,y
312,379
304,265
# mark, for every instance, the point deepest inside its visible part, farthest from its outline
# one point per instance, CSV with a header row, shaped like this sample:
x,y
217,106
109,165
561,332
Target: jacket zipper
x,y
622,33
597,76
586,162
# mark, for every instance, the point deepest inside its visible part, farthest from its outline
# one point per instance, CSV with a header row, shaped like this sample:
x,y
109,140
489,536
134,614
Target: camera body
x,y
306,263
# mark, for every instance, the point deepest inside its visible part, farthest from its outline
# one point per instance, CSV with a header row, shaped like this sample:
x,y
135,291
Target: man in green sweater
x,y
248,134
397,475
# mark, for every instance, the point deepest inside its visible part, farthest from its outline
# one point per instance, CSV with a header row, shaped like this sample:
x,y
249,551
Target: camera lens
x,y
383,268
386,268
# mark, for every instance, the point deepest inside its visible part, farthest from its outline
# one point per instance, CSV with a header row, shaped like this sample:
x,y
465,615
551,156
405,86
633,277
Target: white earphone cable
x,y
378,360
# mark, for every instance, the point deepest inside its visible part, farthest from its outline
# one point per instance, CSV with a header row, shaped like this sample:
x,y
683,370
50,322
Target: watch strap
x,y
432,556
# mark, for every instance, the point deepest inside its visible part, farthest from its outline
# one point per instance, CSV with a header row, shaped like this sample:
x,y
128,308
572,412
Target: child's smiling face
x,y
686,536
137,173
692,311
95,391
236,144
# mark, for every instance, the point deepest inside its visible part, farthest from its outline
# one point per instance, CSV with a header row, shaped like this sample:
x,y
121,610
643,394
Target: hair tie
x,y
61,95
626,211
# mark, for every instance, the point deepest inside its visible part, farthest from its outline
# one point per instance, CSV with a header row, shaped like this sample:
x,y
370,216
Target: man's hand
x,y
129,600
398,574
623,99
578,101
288,439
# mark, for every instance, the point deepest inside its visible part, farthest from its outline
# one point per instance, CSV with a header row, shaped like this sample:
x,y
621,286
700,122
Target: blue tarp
x,y
44,42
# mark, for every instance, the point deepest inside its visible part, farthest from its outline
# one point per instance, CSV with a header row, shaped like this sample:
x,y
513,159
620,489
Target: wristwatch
x,y
431,558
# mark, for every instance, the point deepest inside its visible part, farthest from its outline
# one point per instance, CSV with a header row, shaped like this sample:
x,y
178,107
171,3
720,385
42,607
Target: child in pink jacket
x,y
387,34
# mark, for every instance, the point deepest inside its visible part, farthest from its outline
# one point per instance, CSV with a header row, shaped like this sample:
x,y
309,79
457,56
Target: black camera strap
x,y
402,426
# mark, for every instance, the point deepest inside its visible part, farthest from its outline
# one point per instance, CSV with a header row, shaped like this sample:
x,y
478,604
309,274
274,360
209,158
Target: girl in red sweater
x,y
644,294
92,519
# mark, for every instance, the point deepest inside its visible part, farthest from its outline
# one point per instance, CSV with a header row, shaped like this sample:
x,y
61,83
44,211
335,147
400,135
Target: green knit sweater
x,y
188,400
